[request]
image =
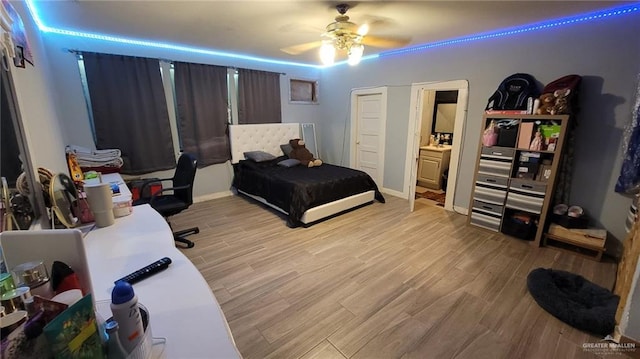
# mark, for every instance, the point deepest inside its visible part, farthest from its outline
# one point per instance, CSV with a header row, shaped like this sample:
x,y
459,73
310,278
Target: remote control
x,y
146,272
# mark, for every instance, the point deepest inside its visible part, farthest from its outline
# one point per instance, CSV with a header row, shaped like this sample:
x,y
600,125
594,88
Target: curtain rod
x,y
79,52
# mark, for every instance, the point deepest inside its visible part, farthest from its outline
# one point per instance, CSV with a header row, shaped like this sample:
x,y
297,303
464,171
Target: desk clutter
x,y
49,316
95,199
105,161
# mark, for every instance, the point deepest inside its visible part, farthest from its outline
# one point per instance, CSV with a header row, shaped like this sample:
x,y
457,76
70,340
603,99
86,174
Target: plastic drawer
x,y
525,202
488,208
504,153
490,195
494,168
528,187
485,221
493,181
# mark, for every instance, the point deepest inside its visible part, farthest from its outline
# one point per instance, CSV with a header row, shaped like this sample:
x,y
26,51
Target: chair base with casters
x,y
178,236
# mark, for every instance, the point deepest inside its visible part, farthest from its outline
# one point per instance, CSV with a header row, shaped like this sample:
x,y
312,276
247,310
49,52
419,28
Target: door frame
x,y
355,93
413,137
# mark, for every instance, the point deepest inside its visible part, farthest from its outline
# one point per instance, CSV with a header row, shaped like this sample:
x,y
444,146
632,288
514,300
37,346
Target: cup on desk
x,y
101,203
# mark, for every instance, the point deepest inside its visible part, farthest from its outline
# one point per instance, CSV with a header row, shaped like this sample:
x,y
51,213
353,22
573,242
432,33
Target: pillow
x,y
259,156
289,163
286,149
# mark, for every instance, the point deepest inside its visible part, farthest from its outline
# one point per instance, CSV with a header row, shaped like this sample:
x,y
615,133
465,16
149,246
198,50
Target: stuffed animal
x,y
561,105
547,101
302,154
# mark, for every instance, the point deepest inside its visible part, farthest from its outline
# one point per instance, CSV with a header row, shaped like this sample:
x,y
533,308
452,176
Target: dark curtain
x,y
130,110
201,99
258,97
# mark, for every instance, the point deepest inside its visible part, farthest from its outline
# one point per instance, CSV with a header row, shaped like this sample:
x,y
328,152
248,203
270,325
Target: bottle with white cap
x,y
124,306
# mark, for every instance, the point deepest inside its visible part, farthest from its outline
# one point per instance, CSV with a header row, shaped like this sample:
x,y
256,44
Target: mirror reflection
x,y
63,195
15,163
309,138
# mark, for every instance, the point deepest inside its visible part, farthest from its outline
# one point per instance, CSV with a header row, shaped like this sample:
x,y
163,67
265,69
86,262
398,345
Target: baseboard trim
x,y
461,210
210,196
394,193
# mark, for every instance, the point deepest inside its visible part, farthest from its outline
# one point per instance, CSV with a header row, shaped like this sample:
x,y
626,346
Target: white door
x,y
368,123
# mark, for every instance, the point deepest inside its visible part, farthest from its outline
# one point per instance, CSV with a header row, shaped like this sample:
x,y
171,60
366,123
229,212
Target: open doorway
x,y
433,162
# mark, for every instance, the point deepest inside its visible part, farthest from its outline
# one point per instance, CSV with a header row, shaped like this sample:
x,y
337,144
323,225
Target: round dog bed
x,y
574,300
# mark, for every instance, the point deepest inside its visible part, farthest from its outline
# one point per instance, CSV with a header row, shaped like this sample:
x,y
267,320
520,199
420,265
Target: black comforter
x,y
298,188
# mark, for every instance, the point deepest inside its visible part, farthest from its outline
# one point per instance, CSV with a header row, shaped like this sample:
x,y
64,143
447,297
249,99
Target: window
x,y
235,91
303,91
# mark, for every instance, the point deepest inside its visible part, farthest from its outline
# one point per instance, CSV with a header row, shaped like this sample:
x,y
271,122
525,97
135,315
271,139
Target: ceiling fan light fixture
x,y
363,29
327,53
355,54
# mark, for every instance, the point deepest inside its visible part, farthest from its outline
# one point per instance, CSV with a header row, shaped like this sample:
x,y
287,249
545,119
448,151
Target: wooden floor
x,y
379,282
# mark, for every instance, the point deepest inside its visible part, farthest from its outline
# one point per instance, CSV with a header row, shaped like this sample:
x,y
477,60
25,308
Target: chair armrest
x,y
150,181
155,195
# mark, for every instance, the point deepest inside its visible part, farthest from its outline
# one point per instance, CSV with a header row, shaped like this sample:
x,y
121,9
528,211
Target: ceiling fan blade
x,y
298,49
387,42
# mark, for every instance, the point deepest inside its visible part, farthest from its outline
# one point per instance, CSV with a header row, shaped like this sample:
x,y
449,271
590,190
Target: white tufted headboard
x,y
265,137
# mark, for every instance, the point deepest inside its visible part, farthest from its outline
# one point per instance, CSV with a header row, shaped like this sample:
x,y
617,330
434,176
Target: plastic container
x,y
14,299
148,347
122,206
35,276
125,309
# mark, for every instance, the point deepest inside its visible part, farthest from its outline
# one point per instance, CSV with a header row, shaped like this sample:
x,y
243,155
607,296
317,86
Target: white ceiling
x,y
262,28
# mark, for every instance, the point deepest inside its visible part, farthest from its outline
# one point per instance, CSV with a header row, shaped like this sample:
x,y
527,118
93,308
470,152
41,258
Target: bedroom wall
x,y
34,87
605,52
212,181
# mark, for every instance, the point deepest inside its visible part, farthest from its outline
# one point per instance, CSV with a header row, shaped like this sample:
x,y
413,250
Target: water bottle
x,y
124,306
115,350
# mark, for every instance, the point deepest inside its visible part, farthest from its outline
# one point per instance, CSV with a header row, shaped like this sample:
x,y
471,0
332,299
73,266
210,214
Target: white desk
x,y
181,305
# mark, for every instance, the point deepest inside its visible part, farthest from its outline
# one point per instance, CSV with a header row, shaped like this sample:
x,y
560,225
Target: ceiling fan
x,y
344,35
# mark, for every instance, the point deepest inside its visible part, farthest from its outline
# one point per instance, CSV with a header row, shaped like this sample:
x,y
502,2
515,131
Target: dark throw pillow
x,y
259,156
289,163
286,149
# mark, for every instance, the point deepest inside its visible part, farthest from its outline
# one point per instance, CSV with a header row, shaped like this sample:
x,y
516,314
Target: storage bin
x,y
488,208
507,136
519,229
490,194
499,153
485,221
493,181
494,168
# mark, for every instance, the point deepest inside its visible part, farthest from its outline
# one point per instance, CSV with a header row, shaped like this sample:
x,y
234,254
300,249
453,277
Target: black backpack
x,y
513,93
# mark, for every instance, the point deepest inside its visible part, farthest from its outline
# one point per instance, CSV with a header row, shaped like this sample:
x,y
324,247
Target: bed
x,y
304,195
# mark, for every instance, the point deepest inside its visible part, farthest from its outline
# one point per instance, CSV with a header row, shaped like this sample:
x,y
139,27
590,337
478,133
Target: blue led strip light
x,y
520,29
500,33
44,28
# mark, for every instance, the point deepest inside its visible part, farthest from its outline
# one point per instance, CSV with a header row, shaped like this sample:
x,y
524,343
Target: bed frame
x,y
268,138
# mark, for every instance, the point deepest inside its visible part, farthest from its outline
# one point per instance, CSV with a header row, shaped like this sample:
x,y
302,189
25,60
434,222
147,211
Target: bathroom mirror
x,y
63,194
445,117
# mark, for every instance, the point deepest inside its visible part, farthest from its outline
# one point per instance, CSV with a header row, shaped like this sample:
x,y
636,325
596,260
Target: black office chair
x,y
180,198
